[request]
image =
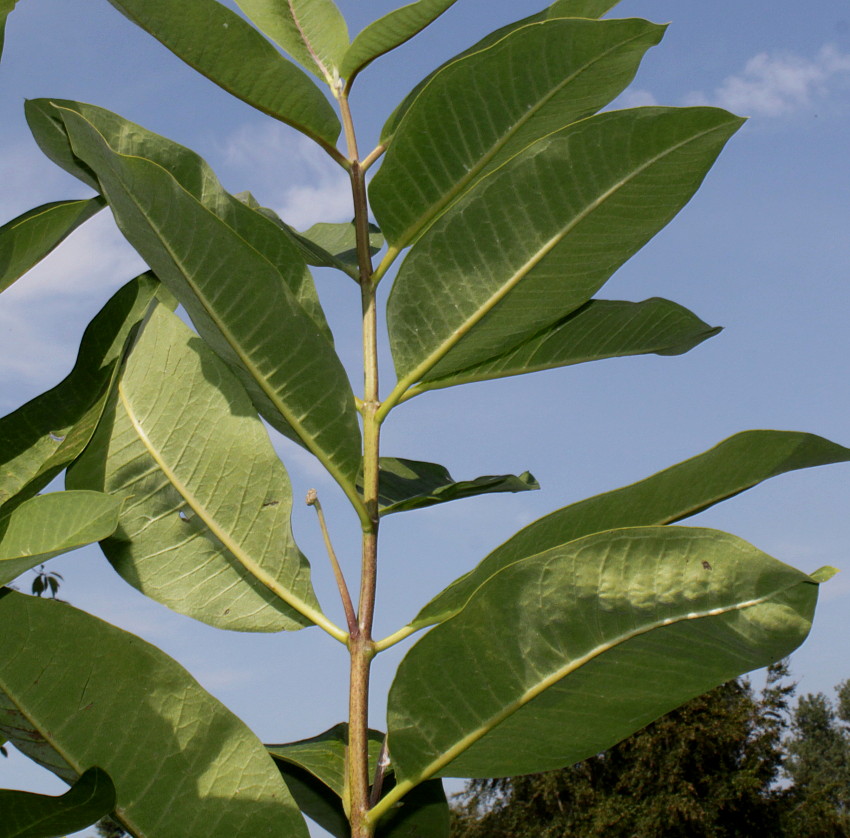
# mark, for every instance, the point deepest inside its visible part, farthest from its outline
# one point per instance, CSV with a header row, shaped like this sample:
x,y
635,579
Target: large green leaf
x,y
27,815
481,110
47,525
563,8
41,438
313,32
566,652
335,245
599,329
550,227
389,32
257,225
413,484
27,239
220,44
733,466
314,770
76,692
239,290
206,526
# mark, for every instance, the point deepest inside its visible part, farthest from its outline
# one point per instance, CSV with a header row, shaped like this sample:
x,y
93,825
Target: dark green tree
x,y
818,767
709,768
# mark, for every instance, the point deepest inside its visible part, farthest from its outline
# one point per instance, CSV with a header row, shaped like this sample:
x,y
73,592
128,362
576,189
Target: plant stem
x,y
362,648
348,607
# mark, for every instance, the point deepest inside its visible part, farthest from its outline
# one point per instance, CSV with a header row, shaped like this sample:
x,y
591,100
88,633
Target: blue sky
x,y
762,250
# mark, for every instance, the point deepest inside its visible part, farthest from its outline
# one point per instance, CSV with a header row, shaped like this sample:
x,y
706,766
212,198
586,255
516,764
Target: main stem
x,y
361,646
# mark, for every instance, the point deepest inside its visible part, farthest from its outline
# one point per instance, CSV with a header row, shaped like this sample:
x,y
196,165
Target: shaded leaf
x,y
599,329
518,683
685,489
314,770
481,110
565,8
41,438
47,525
335,245
389,32
220,44
313,32
27,239
182,764
610,182
245,291
27,815
413,484
206,525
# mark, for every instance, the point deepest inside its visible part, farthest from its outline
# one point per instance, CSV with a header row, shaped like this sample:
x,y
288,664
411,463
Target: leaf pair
x,y
181,763
582,627
520,221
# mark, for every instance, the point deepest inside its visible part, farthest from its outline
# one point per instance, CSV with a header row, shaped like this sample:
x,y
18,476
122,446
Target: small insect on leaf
x,y
706,565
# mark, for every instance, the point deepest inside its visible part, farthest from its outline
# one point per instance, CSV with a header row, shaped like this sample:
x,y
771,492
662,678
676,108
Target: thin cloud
x,y
318,190
777,84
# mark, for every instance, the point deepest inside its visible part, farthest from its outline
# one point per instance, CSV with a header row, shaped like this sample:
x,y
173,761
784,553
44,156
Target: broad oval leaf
x,y
44,436
182,763
220,44
27,239
47,525
27,815
389,32
481,110
735,465
566,652
314,770
239,290
550,228
205,528
313,32
335,245
599,329
413,484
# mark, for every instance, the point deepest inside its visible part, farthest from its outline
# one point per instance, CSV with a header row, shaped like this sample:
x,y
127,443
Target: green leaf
x,y
314,770
551,226
182,764
481,110
206,525
735,465
389,32
47,525
599,329
246,291
413,484
220,44
518,683
568,8
27,239
27,815
324,756
41,438
581,8
335,245
313,32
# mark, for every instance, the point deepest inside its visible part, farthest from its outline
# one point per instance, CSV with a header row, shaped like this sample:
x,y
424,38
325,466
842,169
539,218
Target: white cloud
x,y
777,84
317,188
